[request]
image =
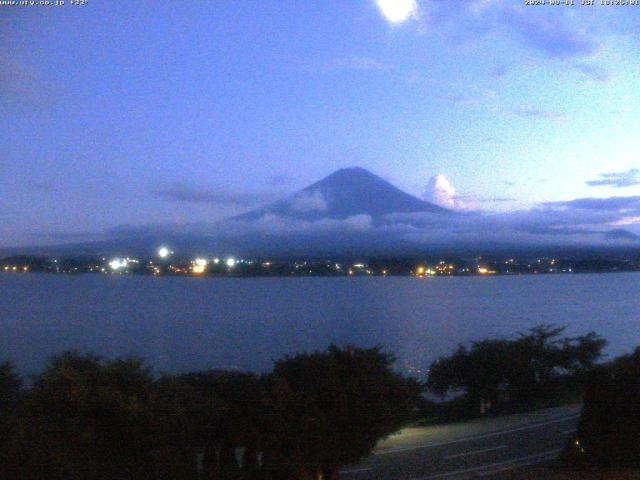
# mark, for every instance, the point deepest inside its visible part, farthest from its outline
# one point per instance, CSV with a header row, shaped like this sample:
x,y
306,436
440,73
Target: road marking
x,y
474,452
355,470
479,436
497,467
565,432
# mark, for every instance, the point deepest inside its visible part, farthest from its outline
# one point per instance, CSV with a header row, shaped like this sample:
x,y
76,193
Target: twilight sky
x,y
170,112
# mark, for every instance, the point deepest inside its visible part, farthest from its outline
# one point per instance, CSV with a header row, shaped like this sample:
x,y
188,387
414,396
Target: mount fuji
x,y
343,194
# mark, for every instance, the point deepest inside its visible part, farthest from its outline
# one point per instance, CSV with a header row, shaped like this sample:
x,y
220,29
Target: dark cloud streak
x,y
183,193
611,204
617,179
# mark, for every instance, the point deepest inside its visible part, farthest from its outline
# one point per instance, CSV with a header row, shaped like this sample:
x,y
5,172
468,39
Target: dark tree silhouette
x,y
88,419
328,409
233,423
529,367
10,385
609,428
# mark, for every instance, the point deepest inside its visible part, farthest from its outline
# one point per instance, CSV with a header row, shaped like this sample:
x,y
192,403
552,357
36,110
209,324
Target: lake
x,y
180,324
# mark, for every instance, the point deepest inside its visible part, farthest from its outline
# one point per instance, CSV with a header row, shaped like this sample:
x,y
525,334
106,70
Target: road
x,y
471,449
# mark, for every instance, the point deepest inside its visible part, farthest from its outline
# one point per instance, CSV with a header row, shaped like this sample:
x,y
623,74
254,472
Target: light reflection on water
x,y
180,324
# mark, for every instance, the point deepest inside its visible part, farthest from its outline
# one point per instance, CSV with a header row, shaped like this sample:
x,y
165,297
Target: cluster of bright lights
x,y
422,271
231,262
15,268
199,265
118,263
485,271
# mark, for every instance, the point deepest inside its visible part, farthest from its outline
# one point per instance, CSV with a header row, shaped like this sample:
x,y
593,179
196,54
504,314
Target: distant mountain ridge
x,y
346,193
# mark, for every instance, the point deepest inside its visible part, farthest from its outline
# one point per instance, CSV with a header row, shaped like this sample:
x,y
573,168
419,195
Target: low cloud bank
x,y
587,221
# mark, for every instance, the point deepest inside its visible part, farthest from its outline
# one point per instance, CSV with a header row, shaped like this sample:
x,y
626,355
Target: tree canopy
x,y
491,372
329,409
87,418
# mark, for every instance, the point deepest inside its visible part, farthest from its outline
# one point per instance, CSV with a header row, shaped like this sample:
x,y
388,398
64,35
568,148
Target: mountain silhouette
x,y
346,193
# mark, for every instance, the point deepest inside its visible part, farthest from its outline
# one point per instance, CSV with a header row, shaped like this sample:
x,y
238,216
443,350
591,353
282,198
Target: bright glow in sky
x,y
129,118
397,11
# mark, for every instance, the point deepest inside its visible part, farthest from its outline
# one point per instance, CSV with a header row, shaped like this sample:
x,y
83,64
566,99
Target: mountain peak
x,y
345,193
352,171
349,174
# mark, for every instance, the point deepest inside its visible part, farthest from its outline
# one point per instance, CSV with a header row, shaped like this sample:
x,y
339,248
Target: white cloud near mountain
x,y
276,225
441,192
309,202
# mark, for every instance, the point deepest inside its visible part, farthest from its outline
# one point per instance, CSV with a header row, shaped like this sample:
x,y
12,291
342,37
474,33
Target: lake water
x,y
180,324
